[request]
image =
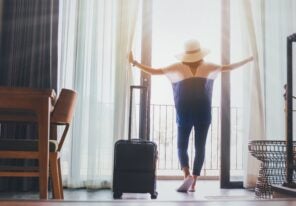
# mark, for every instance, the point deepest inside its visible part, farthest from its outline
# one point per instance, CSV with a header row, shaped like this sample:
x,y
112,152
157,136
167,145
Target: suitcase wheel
x,y
153,195
117,195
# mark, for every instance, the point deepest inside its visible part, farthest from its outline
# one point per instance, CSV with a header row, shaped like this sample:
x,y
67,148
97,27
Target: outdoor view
x,y
169,32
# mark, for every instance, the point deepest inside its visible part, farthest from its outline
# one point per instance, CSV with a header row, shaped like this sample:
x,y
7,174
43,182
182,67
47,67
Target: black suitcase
x,y
134,163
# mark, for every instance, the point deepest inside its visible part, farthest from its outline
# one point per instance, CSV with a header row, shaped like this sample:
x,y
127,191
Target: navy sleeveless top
x,y
192,95
193,100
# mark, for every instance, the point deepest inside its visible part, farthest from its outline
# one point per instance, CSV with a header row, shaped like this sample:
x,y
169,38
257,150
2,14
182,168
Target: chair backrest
x,y
64,107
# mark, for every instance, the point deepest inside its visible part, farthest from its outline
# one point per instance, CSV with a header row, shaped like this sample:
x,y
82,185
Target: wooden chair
x,y
61,115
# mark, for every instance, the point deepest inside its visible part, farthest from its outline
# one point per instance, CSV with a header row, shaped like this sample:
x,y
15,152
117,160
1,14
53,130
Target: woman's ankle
x,y
194,181
186,171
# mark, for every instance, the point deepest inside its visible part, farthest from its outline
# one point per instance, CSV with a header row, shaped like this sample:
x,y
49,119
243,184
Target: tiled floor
x,y
206,190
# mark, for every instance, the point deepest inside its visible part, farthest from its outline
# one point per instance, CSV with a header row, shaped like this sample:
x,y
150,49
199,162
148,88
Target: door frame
x,y
145,79
225,103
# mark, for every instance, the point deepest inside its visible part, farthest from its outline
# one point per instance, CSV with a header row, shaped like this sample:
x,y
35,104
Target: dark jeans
x,y
201,131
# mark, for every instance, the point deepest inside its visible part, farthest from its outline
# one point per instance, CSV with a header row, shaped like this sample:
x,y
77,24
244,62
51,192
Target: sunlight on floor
x,y
206,190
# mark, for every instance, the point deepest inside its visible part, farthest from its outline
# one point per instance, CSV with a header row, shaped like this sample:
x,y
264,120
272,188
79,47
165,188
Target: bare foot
x,y
192,187
186,184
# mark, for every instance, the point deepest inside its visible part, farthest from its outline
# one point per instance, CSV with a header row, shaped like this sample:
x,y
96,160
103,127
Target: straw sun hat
x,y
192,52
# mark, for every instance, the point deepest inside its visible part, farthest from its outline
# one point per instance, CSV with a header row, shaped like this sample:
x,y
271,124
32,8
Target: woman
x,y
192,81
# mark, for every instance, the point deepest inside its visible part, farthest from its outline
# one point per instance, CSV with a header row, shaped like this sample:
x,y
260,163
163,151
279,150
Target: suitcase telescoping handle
x,y
144,89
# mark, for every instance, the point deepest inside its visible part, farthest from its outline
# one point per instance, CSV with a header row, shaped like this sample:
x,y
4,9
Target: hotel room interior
x,y
65,89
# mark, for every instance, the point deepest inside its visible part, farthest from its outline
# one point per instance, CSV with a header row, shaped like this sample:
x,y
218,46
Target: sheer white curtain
x,y
254,111
280,22
127,12
95,37
265,25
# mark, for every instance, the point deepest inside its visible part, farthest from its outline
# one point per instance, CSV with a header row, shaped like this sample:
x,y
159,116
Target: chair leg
x,y
54,171
60,178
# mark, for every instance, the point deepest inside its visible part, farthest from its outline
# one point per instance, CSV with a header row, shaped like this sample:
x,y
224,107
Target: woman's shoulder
x,y
174,66
209,64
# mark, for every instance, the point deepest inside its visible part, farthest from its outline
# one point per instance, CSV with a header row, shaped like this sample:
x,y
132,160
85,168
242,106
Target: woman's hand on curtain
x,y
229,67
251,58
144,68
131,58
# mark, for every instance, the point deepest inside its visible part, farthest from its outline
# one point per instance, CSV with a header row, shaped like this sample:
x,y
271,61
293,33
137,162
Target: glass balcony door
x,y
169,28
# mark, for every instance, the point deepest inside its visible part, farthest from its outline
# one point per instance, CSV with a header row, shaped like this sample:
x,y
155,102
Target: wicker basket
x,y
272,155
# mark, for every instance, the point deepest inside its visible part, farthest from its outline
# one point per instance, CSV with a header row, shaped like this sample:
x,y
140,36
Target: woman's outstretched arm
x,y
143,67
229,67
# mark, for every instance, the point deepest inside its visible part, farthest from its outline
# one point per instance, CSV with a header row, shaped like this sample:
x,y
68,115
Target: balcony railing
x,y
163,131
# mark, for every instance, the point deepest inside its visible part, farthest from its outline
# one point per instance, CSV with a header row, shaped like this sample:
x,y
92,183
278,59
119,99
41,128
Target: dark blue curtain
x,y
28,58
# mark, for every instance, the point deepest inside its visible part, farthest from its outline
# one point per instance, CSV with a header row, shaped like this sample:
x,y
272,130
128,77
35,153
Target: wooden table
x,y
27,105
